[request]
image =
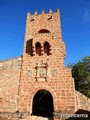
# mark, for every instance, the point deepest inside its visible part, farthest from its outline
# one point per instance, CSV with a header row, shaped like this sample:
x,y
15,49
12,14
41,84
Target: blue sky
x,y
75,23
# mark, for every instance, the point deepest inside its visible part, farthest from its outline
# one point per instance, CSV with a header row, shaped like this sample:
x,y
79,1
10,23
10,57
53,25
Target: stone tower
x,y
46,86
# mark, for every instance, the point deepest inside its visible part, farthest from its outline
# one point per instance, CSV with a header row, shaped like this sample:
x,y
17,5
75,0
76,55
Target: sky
x,y
75,24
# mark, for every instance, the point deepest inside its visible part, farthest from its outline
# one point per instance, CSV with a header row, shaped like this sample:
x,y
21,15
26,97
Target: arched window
x,y
47,48
44,31
38,48
29,47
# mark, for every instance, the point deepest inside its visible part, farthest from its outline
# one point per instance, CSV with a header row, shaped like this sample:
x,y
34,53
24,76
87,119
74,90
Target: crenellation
x,y
50,11
43,12
36,13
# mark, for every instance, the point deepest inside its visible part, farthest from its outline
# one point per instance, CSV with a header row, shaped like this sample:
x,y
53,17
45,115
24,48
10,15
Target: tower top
x,y
43,23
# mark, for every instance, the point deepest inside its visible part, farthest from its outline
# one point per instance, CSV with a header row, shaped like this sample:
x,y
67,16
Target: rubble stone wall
x,y
9,84
83,102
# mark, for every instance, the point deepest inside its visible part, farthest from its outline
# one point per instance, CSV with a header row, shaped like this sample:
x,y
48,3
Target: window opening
x,y
44,31
38,48
47,48
29,47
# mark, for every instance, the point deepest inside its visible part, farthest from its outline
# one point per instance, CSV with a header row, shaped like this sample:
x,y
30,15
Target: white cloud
x,y
86,15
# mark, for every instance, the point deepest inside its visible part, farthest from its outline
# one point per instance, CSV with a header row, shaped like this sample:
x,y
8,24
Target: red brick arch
x,y
35,90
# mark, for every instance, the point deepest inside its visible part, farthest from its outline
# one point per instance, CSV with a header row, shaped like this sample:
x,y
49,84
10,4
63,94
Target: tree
x,y
81,75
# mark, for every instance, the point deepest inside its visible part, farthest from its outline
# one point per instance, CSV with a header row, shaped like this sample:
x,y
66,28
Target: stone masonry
x,y
40,68
59,79
9,84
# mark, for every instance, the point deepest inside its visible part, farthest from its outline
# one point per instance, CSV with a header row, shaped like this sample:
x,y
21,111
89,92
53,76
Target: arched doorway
x,y
43,104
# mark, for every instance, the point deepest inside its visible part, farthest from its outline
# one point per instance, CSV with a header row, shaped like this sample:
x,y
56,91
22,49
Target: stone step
x,y
36,118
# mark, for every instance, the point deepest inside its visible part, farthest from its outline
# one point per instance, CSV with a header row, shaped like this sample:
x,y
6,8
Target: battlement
x,y
43,12
45,16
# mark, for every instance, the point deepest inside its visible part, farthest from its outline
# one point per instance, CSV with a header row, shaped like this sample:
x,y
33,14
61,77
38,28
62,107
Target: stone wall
x,y
9,84
83,102
13,116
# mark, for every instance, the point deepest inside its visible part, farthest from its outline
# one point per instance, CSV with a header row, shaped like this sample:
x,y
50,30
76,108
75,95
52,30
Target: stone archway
x,y
43,104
